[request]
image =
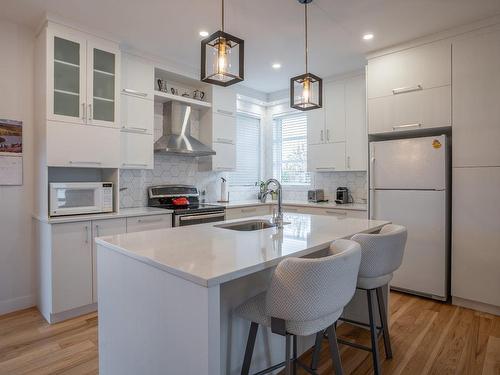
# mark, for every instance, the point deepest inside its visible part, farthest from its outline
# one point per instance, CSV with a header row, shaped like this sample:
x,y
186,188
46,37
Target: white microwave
x,y
75,198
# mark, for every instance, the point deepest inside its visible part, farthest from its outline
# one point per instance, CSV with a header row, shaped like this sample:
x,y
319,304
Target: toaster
x,y
317,195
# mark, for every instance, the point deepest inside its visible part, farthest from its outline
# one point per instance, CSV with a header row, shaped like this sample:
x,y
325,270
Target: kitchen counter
x,y
179,288
328,205
124,212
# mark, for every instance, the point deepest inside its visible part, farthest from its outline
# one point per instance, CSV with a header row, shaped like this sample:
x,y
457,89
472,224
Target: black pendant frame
x,y
233,41
310,105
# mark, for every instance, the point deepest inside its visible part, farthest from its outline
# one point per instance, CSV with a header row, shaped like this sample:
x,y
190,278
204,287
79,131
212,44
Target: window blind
x,y
290,149
247,151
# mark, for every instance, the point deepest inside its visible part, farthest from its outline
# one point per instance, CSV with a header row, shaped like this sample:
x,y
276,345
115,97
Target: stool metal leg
x,y
316,351
334,350
252,334
373,333
383,321
288,362
294,355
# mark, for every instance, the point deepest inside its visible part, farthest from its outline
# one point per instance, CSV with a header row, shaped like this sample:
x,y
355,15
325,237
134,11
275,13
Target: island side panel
x,y
152,322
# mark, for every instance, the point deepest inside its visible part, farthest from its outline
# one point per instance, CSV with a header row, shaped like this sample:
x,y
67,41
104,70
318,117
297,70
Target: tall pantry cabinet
x,y
476,170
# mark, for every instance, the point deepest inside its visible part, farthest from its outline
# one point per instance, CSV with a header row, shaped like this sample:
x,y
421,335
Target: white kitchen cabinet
x,y
335,112
223,100
356,136
476,95
101,228
316,126
149,222
410,89
137,114
71,265
325,211
82,78
136,151
327,157
225,157
476,235
137,77
242,212
224,129
73,145
410,70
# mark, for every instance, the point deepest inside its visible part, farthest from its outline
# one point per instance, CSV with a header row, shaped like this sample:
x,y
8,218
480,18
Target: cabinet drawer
x,y
136,151
224,129
142,223
416,68
237,213
137,114
87,146
417,110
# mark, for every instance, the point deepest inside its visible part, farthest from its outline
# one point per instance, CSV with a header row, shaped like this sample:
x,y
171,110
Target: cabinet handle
x,y
134,129
90,112
403,90
290,210
326,168
416,125
83,111
327,134
97,230
134,165
225,140
135,92
336,213
248,209
85,162
321,135
86,234
349,162
224,169
152,220
225,112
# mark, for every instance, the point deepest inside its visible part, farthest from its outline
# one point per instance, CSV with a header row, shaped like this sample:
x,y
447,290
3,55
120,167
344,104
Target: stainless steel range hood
x,y
176,138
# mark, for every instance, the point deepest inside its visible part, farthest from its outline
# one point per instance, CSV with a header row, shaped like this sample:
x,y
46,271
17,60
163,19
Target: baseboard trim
x,y
474,305
65,315
15,304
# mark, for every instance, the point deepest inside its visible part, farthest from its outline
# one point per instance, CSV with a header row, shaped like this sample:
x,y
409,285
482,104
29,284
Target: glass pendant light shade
x,y
222,57
306,90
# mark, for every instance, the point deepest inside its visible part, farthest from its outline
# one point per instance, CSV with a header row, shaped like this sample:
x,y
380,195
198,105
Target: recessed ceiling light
x,y
276,65
203,33
368,36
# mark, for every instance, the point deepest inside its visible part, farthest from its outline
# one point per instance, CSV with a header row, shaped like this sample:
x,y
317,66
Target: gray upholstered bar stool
x,y
305,296
381,255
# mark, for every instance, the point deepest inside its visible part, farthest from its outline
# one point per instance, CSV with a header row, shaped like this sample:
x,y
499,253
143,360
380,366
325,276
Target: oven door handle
x,y
198,217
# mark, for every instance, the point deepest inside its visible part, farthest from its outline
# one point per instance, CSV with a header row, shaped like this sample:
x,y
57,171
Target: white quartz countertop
x,y
328,205
208,255
124,212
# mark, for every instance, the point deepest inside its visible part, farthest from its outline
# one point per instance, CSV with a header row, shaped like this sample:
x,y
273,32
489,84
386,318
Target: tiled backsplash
x,y
172,169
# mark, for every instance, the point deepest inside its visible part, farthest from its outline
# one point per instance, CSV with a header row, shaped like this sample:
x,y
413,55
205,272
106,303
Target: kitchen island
x,y
166,297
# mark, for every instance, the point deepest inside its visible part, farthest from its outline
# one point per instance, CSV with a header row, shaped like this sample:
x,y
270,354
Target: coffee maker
x,y
343,196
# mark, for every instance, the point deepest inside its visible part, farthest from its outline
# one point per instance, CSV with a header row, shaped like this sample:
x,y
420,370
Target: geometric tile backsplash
x,y
173,169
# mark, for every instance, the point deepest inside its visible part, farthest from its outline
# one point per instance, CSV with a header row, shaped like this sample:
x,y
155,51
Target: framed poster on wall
x,y
11,152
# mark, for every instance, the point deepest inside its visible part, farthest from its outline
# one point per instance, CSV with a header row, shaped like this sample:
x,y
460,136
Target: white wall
x,y
17,261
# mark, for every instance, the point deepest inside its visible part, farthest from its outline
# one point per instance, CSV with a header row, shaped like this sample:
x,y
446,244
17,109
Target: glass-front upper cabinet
x,y
66,83
102,84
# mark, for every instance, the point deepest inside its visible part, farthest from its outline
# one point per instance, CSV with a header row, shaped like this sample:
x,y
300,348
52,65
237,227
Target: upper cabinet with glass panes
x,y
82,82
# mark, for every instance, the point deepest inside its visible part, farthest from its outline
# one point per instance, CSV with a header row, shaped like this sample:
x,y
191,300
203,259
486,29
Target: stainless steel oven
x,y
181,220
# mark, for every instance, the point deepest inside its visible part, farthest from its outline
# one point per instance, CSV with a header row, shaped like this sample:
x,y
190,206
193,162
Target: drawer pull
x,y
85,162
325,168
134,129
135,92
134,165
225,140
152,220
229,113
416,125
248,209
290,210
336,213
403,90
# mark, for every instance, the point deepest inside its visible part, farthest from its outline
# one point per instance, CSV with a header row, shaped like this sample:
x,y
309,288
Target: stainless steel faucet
x,y
277,216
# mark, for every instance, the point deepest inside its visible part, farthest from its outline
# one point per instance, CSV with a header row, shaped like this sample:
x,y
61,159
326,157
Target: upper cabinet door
x,y
137,77
316,126
356,132
335,112
413,69
224,100
66,72
476,95
102,83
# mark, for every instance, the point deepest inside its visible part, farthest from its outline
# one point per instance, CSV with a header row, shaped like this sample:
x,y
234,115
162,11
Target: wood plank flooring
x,y
427,338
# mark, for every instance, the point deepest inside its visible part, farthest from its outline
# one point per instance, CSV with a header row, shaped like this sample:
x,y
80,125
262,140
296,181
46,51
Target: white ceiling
x,y
272,29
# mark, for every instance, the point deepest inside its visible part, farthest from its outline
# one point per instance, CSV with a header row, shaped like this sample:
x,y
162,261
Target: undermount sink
x,y
246,226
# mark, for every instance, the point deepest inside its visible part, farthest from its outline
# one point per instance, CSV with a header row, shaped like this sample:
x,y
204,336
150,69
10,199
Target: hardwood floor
x,y
427,338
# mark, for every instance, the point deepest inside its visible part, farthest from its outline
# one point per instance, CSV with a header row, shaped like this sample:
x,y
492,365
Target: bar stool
x,y
305,296
381,255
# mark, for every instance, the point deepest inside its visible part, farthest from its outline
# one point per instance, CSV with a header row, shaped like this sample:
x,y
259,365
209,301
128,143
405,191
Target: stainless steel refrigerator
x,y
409,185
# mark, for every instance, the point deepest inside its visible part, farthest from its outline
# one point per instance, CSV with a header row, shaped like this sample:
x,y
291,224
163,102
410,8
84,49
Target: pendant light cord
x,y
305,22
222,15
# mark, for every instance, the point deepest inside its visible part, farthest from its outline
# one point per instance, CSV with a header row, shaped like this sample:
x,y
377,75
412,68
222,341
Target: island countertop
x,y
208,255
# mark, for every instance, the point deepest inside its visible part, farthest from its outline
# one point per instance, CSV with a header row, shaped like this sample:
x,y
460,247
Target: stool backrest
x,y
381,253
305,289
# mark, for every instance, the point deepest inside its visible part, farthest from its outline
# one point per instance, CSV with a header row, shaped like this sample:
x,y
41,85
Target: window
x,y
290,149
247,151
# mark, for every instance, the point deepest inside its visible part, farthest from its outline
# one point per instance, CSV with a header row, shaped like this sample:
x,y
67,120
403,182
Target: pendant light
x,y
306,90
222,57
